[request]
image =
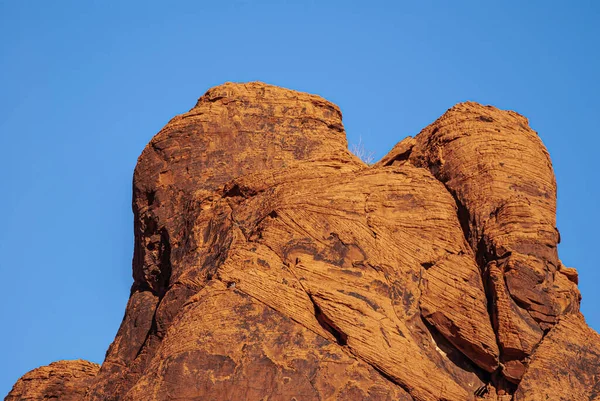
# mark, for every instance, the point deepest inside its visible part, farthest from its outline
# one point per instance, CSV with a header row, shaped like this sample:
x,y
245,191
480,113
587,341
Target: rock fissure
x,y
328,324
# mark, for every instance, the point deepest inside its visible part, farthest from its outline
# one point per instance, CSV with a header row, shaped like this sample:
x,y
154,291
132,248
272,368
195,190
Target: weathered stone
x,y
565,366
501,176
62,380
271,263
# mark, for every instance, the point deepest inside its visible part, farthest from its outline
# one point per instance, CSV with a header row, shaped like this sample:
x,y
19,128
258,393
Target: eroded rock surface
x,y
62,380
272,264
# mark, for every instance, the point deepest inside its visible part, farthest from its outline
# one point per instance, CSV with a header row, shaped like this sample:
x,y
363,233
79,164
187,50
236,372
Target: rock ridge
x,y
272,263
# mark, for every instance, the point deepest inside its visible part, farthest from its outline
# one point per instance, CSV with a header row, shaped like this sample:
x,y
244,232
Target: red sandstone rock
x,y
63,380
270,263
565,366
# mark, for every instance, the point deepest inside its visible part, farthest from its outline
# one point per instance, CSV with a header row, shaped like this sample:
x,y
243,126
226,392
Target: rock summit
x,y
270,263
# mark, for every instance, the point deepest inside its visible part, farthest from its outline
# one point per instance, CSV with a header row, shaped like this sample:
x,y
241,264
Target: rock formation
x,y
272,264
62,380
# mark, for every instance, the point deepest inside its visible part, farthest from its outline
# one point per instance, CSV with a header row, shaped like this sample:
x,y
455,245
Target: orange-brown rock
x,y
272,264
63,380
501,176
565,366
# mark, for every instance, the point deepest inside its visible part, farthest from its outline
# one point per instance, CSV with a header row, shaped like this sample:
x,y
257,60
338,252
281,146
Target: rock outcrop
x,y
62,380
272,264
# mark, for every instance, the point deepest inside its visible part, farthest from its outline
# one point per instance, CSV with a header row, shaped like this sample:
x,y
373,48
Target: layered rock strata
x,y
272,264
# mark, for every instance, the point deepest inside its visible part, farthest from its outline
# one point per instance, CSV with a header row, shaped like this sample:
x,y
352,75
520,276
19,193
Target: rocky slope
x,y
272,264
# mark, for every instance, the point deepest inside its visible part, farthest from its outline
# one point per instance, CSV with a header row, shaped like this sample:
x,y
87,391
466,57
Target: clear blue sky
x,y
84,85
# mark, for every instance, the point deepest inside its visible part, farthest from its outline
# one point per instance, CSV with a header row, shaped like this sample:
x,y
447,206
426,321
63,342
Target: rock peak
x,y
486,111
264,93
270,262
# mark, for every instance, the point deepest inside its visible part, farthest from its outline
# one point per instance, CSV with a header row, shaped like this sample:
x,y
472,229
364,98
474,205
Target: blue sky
x,y
84,85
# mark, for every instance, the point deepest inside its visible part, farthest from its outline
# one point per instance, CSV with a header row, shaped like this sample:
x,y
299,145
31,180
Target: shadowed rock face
x,y
271,263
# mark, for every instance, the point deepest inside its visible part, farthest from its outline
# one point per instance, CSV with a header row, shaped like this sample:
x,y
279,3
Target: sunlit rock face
x,y
270,263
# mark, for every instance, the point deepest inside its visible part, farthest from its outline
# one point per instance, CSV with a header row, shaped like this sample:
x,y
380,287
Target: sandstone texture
x,y
270,263
62,380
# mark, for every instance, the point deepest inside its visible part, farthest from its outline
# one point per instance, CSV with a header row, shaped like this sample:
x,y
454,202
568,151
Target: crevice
x,y
388,377
233,189
140,287
340,336
165,263
150,197
481,391
545,333
237,289
153,331
162,284
483,256
328,324
232,192
464,217
402,157
528,308
455,355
